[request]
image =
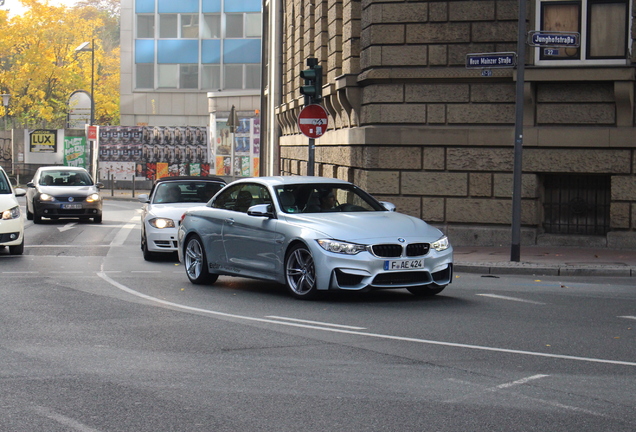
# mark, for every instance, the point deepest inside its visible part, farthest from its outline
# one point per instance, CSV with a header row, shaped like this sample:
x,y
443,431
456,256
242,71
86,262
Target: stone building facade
x,y
412,125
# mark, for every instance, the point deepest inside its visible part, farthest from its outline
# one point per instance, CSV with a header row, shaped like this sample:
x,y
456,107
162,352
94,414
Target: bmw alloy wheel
x,y
300,272
195,262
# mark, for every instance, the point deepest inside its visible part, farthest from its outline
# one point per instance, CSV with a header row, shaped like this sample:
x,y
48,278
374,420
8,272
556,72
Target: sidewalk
x,y
535,260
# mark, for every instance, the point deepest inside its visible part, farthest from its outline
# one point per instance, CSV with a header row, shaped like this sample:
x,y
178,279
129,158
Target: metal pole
x,y
515,249
92,82
311,157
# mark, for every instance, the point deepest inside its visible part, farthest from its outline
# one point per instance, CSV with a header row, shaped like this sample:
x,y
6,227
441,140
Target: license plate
x,y
404,264
71,206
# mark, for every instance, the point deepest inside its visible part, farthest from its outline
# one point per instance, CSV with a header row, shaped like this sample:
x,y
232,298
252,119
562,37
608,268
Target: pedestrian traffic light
x,y
313,82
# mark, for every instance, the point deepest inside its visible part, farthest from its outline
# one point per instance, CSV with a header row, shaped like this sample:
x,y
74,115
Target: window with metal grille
x,y
577,204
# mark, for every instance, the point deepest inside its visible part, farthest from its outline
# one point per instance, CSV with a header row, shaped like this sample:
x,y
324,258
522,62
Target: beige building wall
x,y
412,125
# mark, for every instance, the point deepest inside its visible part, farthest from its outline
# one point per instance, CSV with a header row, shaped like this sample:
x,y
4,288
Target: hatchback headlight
x,y
341,247
92,198
12,213
46,197
441,244
161,223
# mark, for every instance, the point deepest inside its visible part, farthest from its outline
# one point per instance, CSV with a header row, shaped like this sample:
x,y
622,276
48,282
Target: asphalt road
x,y
94,338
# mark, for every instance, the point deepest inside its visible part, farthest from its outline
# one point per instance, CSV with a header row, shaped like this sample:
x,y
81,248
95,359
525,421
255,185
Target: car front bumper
x,y
11,232
56,209
365,271
161,240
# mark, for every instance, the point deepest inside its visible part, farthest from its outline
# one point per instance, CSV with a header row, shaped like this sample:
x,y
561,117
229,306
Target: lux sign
x,y
43,141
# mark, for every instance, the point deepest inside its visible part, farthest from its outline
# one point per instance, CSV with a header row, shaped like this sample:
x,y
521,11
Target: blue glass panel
x,y
211,51
145,6
242,5
144,51
242,51
211,6
172,6
177,51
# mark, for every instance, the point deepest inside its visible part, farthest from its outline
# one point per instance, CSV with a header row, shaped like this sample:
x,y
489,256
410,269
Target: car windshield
x,y
317,198
185,192
65,178
5,188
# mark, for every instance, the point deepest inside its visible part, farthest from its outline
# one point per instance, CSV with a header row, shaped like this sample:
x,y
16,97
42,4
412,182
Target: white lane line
x,y
122,234
145,271
500,297
23,272
66,246
124,288
628,317
521,381
63,420
315,322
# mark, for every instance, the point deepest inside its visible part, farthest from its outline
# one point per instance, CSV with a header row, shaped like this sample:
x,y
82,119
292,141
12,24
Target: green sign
x,y
75,152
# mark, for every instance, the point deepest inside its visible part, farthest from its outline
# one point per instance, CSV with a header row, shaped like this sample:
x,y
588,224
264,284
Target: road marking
x,y
66,246
315,322
63,420
521,381
122,234
124,288
500,297
628,317
68,226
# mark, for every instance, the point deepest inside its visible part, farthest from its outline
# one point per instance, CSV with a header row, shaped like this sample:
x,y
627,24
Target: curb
x,y
543,270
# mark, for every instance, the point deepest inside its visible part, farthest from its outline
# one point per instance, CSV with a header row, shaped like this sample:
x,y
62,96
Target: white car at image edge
x,y
11,220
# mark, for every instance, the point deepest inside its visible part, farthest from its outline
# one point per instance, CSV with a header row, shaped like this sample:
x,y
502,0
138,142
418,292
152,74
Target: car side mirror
x,y
99,185
19,192
30,184
143,198
261,210
389,206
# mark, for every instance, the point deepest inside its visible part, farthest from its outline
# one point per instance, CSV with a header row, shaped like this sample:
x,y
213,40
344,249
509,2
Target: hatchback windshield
x,y
65,178
313,198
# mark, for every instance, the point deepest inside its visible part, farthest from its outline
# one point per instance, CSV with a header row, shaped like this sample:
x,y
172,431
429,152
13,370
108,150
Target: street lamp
x,y
85,47
5,102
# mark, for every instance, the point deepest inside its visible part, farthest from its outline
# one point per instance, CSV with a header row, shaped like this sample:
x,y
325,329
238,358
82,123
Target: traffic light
x,y
313,82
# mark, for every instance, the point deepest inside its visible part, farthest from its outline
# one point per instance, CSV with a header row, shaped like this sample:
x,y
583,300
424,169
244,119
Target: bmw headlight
x,y
12,213
441,244
341,247
92,198
46,197
161,223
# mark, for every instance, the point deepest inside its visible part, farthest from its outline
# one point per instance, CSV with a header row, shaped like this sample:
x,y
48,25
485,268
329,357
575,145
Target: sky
x,y
15,7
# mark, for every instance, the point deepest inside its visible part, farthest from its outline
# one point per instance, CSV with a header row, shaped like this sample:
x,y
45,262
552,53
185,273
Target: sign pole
x,y
311,157
515,247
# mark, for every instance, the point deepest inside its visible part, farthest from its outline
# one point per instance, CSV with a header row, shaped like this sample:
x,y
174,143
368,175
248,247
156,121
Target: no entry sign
x,y
312,121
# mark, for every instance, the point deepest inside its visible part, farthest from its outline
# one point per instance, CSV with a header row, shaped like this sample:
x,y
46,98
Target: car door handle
x,y
229,221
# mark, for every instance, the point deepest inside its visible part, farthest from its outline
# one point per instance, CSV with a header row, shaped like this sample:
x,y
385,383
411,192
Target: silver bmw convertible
x,y
312,234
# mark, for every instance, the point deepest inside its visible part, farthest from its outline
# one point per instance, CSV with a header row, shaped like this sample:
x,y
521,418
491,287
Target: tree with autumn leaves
x,y
40,68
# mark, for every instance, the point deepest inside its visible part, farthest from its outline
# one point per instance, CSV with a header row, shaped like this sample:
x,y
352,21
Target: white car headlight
x,y
46,197
341,247
441,244
12,213
92,198
161,223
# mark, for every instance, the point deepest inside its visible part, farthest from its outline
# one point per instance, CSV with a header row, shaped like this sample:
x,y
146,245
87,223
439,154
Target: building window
x,y
168,26
211,26
576,204
243,25
189,77
168,75
145,26
602,25
190,26
145,76
252,76
211,77
233,75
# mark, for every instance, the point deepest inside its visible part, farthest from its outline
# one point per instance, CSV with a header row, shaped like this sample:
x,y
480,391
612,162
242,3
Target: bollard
x,y
112,185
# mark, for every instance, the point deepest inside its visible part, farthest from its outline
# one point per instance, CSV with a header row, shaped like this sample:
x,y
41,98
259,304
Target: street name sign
x,y
313,121
491,60
554,39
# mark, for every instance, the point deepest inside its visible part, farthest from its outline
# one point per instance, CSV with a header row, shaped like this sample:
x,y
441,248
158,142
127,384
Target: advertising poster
x,y
43,141
156,151
237,154
75,152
